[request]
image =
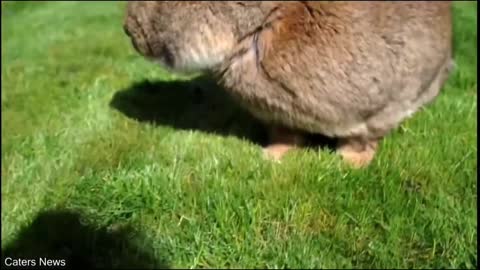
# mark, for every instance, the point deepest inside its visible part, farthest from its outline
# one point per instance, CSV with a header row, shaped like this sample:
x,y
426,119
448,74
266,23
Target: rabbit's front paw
x,y
282,140
276,152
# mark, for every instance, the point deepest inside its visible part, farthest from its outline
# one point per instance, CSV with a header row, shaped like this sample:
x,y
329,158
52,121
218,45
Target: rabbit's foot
x,y
282,140
275,152
357,152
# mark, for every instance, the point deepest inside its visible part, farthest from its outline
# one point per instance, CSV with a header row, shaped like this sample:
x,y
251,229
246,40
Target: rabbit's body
x,y
351,70
339,79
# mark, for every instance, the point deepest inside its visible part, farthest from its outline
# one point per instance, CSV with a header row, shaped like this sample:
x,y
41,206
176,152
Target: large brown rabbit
x,y
347,70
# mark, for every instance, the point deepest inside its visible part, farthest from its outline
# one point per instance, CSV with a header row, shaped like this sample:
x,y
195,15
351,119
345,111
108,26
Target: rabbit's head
x,y
191,35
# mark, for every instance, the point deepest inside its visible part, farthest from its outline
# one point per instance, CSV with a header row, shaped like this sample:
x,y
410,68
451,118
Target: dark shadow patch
x,y
318,141
63,235
198,104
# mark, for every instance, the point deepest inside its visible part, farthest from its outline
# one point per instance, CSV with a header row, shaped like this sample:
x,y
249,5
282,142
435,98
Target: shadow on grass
x,y
62,235
199,104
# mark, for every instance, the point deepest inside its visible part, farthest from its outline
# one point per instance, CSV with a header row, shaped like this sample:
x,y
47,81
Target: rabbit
x,y
350,70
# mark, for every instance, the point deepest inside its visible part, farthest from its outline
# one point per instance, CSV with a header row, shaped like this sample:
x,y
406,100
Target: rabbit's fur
x,y
348,70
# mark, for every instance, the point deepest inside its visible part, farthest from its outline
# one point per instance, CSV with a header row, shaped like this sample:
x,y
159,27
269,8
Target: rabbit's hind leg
x,y
433,90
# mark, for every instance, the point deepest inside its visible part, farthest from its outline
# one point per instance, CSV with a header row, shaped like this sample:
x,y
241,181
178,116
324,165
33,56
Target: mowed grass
x,y
109,161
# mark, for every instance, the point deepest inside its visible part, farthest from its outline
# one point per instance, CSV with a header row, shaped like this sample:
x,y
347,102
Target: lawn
x,y
110,161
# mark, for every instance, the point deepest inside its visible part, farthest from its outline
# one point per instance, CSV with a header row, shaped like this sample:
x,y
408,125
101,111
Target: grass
x,y
109,161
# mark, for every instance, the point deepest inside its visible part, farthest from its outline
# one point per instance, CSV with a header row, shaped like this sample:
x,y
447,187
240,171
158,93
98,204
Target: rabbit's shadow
x,y
197,104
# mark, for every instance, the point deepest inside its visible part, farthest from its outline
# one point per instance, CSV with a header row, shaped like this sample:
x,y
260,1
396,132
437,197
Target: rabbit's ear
x,y
262,43
263,36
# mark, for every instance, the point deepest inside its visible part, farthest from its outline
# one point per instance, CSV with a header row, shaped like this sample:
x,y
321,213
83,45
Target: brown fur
x,y
350,70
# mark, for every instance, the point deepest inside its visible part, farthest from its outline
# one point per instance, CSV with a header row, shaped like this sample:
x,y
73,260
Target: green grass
x,y
107,160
